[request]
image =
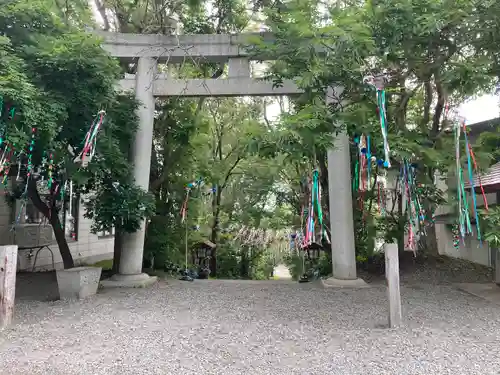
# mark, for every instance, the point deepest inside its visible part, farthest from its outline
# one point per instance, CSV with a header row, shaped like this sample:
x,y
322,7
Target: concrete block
x,y
141,280
78,282
332,282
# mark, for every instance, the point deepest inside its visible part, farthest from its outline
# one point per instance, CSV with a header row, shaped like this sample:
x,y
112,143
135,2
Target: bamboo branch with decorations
x,y
405,184
47,175
313,205
464,227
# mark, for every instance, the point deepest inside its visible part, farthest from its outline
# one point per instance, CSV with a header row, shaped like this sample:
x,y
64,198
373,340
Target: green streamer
x,y
355,182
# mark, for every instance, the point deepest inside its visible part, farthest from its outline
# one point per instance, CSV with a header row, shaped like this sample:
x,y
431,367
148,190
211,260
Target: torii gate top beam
x,y
185,48
177,49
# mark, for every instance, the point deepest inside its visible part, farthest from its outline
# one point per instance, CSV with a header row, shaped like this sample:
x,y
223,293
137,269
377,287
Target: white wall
x,y
89,248
471,250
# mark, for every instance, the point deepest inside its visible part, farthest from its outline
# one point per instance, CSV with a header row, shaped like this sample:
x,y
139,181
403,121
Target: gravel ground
x,y
244,327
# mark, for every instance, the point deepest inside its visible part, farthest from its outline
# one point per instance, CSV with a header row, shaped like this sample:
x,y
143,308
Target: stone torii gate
x,y
149,50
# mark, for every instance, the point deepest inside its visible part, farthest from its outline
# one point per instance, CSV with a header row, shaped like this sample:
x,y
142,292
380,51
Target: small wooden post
x,y
8,268
392,276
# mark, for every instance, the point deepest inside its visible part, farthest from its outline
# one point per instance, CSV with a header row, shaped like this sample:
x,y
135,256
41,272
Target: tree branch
x,y
229,172
438,110
427,102
102,11
36,199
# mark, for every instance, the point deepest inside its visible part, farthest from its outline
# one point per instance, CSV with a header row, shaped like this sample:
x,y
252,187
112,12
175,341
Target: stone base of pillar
x,y
332,282
141,280
497,266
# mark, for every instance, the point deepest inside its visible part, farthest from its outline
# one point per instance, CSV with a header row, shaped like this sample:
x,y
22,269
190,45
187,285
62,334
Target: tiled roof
x,y
491,177
488,125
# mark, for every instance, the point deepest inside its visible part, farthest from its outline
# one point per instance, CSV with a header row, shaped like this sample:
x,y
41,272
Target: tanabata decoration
x,y
464,220
22,157
378,83
191,185
249,236
363,173
7,150
412,207
456,236
5,161
362,169
314,203
30,159
90,141
9,113
184,207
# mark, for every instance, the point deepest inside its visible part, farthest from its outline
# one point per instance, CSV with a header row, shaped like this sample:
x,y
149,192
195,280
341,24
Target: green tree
x,y
58,78
119,206
431,53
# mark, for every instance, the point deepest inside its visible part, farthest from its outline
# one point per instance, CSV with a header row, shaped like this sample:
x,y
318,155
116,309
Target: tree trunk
x,y
61,241
245,263
430,241
117,250
215,229
53,217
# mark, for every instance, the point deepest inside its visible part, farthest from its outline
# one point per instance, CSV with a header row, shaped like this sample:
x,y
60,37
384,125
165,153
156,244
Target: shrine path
x,y
239,328
282,272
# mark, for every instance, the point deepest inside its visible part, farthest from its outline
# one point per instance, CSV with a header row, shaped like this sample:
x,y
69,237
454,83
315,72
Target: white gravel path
x,y
282,272
238,328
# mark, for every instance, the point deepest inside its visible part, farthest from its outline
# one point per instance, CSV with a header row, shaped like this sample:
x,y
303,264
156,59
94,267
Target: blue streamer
x,y
473,191
369,157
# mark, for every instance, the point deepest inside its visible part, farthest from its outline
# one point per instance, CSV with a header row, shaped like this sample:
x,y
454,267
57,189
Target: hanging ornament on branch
x,y
90,141
363,173
378,83
314,206
5,161
411,203
456,236
464,220
30,159
191,185
361,180
7,114
185,206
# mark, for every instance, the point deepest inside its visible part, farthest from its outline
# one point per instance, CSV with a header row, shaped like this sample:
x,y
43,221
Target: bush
x,y
228,264
235,261
164,243
294,263
262,267
321,267
374,263
165,246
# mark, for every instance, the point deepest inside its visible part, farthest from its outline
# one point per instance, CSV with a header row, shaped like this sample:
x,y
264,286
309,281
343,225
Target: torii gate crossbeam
x,y
148,51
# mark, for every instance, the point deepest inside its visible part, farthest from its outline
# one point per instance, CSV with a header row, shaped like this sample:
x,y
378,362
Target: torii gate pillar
x,y
341,211
130,270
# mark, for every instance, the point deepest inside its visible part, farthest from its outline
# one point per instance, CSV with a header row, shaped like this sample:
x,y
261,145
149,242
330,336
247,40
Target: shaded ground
x,y
438,270
249,327
38,286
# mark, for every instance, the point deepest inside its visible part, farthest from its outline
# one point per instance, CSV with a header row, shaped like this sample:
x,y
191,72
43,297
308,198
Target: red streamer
x,y
476,170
